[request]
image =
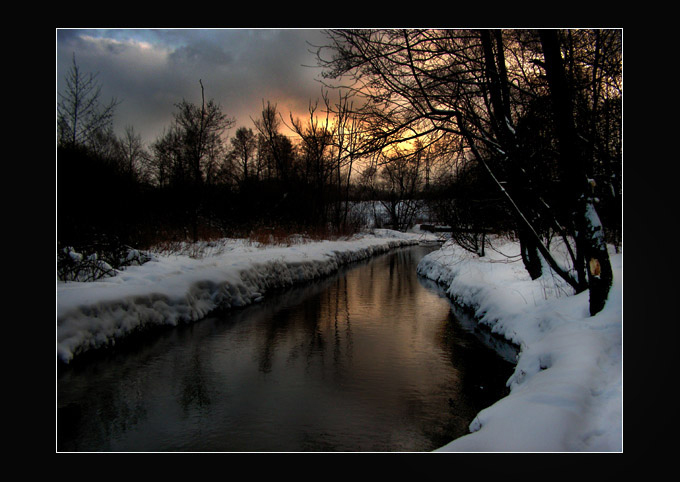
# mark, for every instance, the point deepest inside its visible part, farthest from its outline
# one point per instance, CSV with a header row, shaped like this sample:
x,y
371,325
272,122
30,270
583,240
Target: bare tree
x,y
202,128
166,164
276,146
347,141
132,153
243,147
80,115
401,177
316,140
589,231
448,85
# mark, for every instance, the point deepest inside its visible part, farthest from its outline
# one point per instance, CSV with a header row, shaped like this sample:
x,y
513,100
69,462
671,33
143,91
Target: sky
x,y
150,70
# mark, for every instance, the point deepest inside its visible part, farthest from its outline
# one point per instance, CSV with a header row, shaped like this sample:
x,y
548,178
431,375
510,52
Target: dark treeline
x,y
194,182
515,132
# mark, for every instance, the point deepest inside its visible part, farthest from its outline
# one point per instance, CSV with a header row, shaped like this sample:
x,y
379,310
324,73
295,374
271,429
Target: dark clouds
x,y
150,70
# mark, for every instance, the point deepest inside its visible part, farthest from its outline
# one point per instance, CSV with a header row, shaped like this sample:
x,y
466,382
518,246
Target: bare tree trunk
x,y
521,218
530,255
591,245
501,117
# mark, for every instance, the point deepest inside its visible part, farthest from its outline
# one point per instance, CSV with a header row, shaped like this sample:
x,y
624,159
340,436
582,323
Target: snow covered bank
x,y
175,288
566,390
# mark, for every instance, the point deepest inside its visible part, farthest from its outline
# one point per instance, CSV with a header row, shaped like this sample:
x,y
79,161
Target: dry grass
x,y
211,241
286,236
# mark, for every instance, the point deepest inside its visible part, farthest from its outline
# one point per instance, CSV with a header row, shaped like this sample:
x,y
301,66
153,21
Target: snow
x,y
566,389
179,288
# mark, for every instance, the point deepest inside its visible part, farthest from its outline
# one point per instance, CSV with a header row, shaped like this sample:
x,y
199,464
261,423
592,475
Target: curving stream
x,y
370,359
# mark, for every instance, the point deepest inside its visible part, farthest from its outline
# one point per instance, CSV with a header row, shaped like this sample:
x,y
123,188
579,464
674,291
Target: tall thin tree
x,y
80,115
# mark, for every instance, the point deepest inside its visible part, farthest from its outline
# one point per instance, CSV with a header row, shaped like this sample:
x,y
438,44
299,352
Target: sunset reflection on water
x,y
368,360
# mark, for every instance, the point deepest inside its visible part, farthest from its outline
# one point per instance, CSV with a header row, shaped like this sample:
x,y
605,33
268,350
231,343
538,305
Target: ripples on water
x,y
372,359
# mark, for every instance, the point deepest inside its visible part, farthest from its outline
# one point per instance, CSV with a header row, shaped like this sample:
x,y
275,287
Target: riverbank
x,y
567,388
178,288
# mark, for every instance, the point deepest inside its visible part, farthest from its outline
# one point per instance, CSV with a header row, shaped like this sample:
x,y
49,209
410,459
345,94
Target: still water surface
x,y
371,359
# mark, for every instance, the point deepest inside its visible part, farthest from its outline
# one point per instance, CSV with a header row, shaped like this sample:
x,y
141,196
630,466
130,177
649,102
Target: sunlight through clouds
x,y
150,70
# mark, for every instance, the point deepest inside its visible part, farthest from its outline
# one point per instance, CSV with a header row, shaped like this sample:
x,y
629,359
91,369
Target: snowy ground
x,y
176,288
566,390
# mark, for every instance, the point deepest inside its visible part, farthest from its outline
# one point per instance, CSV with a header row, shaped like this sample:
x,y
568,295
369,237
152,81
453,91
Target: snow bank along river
x,y
368,359
175,289
565,391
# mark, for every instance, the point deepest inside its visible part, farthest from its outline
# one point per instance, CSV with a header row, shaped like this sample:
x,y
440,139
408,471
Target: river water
x,y
371,359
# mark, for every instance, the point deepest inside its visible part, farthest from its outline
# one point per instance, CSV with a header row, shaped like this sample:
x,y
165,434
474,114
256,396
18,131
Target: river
x,y
372,359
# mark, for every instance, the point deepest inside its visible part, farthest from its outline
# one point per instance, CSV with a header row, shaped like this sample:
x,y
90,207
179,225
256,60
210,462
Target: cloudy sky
x,y
149,71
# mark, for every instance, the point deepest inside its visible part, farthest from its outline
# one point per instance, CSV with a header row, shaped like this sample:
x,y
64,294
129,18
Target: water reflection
x,y
368,360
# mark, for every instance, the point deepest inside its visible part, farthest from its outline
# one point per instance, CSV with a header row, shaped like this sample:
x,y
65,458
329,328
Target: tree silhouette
x,y
80,115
